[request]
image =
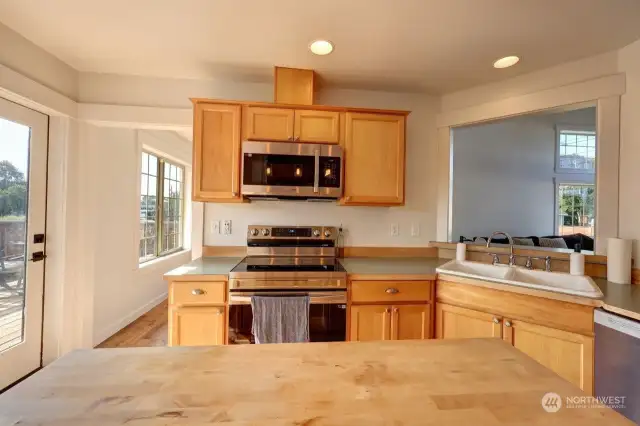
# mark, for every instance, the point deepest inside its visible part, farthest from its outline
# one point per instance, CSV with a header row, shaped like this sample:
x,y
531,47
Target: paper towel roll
x,y
576,264
619,261
461,252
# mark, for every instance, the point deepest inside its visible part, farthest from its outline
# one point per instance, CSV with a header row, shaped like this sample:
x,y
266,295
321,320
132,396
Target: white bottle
x,y
461,252
576,262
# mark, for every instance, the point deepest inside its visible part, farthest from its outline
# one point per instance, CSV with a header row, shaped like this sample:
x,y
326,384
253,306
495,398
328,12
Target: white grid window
x,y
576,151
576,209
161,229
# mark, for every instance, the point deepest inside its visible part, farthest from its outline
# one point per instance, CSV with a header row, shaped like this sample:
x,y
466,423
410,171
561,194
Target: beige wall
x,y
20,55
629,63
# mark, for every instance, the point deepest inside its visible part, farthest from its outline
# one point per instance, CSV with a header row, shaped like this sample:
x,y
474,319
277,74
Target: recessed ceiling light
x,y
321,47
506,62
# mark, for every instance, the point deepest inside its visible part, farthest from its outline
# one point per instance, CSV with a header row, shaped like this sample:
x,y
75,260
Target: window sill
x,y
162,259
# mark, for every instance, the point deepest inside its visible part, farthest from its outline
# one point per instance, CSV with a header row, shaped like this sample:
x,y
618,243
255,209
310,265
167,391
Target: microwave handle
x,y
316,171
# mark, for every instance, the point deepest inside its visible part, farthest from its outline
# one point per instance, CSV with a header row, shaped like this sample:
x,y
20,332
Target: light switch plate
x,y
215,227
415,229
395,230
226,227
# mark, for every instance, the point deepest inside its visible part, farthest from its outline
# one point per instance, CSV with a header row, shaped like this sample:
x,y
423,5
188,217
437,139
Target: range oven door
x,y
291,170
327,315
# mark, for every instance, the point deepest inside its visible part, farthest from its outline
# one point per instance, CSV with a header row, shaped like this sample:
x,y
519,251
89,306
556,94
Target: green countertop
x,y
207,266
623,299
392,266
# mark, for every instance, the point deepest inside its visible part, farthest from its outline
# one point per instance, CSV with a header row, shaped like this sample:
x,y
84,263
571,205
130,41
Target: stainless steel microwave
x,y
283,170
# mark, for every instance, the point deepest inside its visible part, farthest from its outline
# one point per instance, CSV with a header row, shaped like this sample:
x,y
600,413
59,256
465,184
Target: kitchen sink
x,y
515,275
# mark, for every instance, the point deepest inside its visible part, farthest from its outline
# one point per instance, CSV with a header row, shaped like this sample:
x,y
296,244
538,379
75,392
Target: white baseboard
x,y
113,328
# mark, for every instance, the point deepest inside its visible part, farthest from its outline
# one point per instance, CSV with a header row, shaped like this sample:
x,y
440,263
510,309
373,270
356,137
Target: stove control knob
x,y
254,232
327,233
266,232
316,232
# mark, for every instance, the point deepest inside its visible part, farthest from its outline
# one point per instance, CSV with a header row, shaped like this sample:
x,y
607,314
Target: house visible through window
x,y
161,207
576,151
576,209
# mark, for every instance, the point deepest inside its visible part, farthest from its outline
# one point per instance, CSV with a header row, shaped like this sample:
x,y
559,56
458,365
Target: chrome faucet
x,y
512,258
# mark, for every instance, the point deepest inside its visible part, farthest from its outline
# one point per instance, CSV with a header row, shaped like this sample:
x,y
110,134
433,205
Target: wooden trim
x,y
635,276
196,101
224,251
388,252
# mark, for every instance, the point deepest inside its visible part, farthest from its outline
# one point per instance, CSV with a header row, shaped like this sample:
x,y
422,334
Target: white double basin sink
x,y
518,276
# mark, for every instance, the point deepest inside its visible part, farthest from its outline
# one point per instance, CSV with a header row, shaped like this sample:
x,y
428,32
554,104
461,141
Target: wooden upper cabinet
x,y
374,151
317,126
268,124
410,322
570,355
216,152
370,322
453,322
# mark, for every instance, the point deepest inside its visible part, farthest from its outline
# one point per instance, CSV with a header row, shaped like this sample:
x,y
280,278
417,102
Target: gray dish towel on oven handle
x,y
280,319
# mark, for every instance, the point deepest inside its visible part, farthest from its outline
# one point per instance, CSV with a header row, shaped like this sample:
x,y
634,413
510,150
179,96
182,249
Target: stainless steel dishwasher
x,y
617,371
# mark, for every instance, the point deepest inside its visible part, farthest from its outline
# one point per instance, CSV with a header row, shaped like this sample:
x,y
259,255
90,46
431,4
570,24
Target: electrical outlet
x,y
215,227
226,226
415,229
395,230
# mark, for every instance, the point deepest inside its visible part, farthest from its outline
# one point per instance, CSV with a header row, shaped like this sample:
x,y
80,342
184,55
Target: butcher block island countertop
x,y
443,382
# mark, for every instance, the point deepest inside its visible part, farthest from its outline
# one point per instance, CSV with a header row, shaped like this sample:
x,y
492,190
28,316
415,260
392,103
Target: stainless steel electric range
x,y
292,260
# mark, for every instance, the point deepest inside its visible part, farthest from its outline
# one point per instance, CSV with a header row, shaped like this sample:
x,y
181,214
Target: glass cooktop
x,y
286,264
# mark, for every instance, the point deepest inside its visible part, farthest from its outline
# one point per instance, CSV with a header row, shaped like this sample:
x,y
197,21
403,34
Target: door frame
x,y
26,356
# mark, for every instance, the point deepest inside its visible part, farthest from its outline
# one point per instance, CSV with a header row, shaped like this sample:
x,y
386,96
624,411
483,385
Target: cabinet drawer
x,y
195,293
390,291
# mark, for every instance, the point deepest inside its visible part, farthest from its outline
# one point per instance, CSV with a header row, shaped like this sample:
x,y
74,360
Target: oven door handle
x,y
315,298
316,171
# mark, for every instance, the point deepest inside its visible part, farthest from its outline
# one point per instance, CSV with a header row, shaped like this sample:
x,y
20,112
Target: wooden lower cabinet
x,y
383,322
570,355
453,322
410,322
197,326
370,322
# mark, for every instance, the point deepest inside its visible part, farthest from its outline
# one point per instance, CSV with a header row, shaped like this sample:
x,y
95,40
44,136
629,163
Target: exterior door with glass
x,y
23,185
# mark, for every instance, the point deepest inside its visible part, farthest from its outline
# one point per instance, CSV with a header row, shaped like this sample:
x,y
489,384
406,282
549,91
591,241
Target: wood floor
x,y
149,330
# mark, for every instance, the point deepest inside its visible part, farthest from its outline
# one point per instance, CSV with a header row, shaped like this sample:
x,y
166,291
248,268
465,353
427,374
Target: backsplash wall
x,y
363,226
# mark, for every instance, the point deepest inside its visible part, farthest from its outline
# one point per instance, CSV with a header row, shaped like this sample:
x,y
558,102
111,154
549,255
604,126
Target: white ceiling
x,y
428,45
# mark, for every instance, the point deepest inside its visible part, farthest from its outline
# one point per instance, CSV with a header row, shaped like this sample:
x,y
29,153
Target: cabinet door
x,y
410,322
370,322
570,355
374,160
197,326
269,124
317,126
216,159
453,322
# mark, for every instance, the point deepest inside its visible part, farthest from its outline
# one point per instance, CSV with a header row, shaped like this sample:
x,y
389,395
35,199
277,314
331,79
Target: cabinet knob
x,y
234,194
387,310
496,320
197,292
347,198
392,290
395,310
290,138
507,323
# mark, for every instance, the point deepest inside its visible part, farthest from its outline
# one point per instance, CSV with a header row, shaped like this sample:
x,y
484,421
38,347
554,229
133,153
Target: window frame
x,y
160,185
556,201
560,128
